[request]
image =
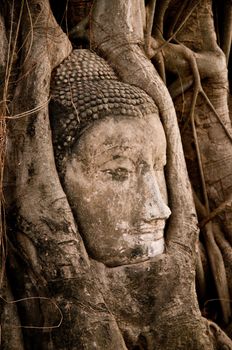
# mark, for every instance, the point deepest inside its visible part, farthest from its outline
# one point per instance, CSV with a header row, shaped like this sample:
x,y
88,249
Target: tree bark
x,y
51,268
53,296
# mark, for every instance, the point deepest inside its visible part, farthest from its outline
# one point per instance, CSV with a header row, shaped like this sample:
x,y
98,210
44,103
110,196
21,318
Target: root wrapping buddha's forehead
x,y
84,88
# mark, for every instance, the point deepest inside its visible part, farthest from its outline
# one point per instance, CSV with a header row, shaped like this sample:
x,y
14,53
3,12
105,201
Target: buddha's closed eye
x,y
117,174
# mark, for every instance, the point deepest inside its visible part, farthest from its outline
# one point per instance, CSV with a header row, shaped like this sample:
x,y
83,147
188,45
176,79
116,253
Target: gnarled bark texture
x,y
53,296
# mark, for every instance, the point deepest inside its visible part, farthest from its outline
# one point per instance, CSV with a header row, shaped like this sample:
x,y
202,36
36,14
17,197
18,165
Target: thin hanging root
x,y
3,247
158,58
30,111
216,262
201,211
223,244
177,17
227,30
149,24
200,276
158,49
219,272
223,206
80,31
10,54
176,88
214,253
197,89
12,43
215,257
228,132
30,33
158,61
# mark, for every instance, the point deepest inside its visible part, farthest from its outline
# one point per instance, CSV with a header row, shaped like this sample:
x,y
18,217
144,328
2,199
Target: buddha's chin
x,y
134,249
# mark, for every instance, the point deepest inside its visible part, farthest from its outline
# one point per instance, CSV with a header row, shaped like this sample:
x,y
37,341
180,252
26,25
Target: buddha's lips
x,y
155,226
143,230
146,233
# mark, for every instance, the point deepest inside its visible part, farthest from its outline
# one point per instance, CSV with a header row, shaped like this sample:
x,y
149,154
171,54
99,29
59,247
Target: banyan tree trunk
x,y
58,302
194,56
213,126
48,266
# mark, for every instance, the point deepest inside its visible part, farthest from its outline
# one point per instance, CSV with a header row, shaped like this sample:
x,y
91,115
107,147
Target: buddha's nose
x,y
153,206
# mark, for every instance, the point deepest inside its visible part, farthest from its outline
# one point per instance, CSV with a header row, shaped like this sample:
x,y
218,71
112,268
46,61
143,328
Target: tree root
x,y
177,17
200,274
222,341
223,206
166,42
216,263
227,29
226,250
150,18
81,30
219,272
176,88
214,253
222,242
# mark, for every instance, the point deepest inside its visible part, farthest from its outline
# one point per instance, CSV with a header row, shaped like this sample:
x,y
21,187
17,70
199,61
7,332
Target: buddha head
x,y
110,151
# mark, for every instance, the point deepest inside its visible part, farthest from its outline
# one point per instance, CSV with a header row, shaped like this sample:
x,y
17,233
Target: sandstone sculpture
x,y
111,151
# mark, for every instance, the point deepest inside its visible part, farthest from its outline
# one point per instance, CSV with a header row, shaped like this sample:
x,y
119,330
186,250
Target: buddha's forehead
x,y
122,135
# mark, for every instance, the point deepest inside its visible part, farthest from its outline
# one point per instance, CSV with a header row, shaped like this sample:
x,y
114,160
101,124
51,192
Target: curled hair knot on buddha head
x,y
84,88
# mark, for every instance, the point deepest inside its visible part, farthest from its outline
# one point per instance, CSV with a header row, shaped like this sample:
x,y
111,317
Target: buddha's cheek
x,y
104,212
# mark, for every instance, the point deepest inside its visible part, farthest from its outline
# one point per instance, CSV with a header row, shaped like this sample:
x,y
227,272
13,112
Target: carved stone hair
x,y
84,88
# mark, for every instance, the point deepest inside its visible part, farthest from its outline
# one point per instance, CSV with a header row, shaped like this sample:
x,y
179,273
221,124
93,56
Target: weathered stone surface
x,y
84,88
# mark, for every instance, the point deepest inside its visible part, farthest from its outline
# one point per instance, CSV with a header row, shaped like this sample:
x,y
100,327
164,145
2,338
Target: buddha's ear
x,y
182,230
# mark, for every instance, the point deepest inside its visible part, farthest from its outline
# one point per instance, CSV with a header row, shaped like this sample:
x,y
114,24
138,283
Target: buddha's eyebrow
x,y
112,154
117,157
112,148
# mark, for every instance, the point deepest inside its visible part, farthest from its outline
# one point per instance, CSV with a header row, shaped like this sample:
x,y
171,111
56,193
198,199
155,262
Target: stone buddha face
x,y
116,186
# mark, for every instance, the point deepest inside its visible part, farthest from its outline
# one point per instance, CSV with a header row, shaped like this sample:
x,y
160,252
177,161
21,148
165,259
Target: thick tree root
x,y
222,341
